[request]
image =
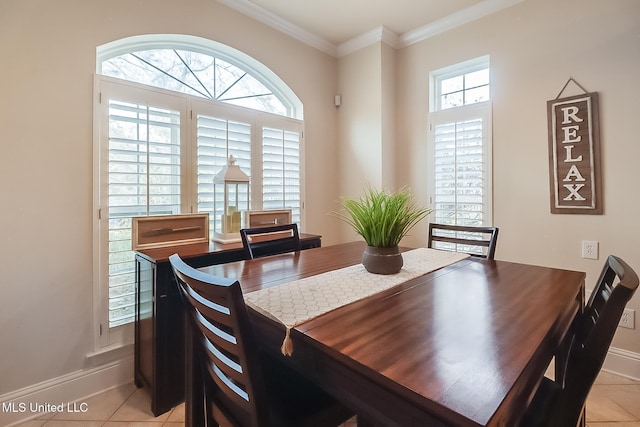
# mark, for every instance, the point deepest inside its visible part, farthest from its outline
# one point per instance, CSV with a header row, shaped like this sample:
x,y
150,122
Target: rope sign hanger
x,y
571,79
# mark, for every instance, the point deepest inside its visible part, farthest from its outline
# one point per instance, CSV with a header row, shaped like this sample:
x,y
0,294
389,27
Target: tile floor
x,y
614,401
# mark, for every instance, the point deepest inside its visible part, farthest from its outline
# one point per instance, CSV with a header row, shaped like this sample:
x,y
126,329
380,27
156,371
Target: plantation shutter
x,y
460,158
151,161
281,158
218,138
143,179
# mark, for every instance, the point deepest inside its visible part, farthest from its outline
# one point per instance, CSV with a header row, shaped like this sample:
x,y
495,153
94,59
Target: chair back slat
x,y
226,370
219,318
273,240
214,326
236,392
476,241
593,337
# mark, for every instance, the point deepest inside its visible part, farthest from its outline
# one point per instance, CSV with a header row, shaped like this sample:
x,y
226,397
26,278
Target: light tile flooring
x,y
613,402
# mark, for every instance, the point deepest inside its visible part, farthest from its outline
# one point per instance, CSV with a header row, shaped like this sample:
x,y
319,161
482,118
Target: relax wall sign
x,y
574,155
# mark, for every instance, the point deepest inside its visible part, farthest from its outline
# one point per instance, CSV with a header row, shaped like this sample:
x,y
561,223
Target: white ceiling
x,y
340,26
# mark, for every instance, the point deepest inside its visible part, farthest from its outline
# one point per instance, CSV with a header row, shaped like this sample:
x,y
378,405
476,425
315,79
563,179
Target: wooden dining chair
x,y
272,240
241,386
561,403
476,241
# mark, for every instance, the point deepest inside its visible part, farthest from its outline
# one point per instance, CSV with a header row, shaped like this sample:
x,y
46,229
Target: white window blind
x,y
217,139
460,172
143,179
459,180
281,186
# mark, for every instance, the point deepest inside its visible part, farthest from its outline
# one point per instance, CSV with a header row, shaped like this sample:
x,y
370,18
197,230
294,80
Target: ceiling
x,y
335,25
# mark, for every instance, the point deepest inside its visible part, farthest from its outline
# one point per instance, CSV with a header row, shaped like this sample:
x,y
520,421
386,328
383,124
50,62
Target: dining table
x,y
465,344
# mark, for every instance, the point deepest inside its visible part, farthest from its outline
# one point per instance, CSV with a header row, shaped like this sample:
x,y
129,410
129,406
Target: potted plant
x,y
382,218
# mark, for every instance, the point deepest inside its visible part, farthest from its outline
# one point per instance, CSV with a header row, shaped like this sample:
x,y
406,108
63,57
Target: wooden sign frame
x,y
574,155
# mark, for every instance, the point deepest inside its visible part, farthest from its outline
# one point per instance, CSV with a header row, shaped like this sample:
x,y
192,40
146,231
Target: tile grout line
x,y
118,408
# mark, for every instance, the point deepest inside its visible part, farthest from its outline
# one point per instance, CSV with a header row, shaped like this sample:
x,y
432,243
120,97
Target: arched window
x,y
198,67
170,111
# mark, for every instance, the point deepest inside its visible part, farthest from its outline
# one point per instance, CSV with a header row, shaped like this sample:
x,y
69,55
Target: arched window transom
x,y
196,74
198,67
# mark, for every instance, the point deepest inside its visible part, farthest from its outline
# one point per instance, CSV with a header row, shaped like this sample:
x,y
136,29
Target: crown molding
x,y
380,34
258,13
457,19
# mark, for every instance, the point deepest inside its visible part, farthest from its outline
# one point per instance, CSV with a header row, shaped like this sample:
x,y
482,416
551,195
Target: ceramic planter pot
x,y
382,260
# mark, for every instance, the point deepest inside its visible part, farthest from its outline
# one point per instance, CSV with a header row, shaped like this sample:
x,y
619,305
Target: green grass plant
x,y
382,218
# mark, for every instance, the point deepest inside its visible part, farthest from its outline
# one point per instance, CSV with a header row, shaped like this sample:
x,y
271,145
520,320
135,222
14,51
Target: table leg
x,y
194,386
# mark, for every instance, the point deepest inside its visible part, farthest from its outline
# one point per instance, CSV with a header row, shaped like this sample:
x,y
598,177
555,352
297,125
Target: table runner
x,y
299,301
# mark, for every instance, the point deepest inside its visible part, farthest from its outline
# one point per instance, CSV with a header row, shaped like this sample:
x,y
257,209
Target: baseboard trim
x,y
623,362
74,387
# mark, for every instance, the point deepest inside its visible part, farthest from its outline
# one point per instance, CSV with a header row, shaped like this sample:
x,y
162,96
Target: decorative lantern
x,y
230,202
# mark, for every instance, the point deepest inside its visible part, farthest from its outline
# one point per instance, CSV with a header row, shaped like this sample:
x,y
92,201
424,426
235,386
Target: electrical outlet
x,y
590,249
628,319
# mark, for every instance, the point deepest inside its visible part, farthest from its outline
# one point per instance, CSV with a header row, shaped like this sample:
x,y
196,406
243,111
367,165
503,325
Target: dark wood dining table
x,y
465,345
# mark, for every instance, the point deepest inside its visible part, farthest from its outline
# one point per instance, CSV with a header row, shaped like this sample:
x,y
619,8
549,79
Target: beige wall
x,y
367,122
388,115
367,119
46,87
534,48
360,120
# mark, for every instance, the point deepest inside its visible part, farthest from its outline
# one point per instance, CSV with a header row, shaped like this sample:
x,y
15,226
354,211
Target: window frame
x,y
437,76
438,116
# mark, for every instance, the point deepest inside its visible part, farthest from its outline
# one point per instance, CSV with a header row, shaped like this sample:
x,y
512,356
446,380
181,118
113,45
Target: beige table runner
x,y
296,302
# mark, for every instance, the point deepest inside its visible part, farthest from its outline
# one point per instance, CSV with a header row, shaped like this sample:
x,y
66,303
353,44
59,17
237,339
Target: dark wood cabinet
x,y
160,322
